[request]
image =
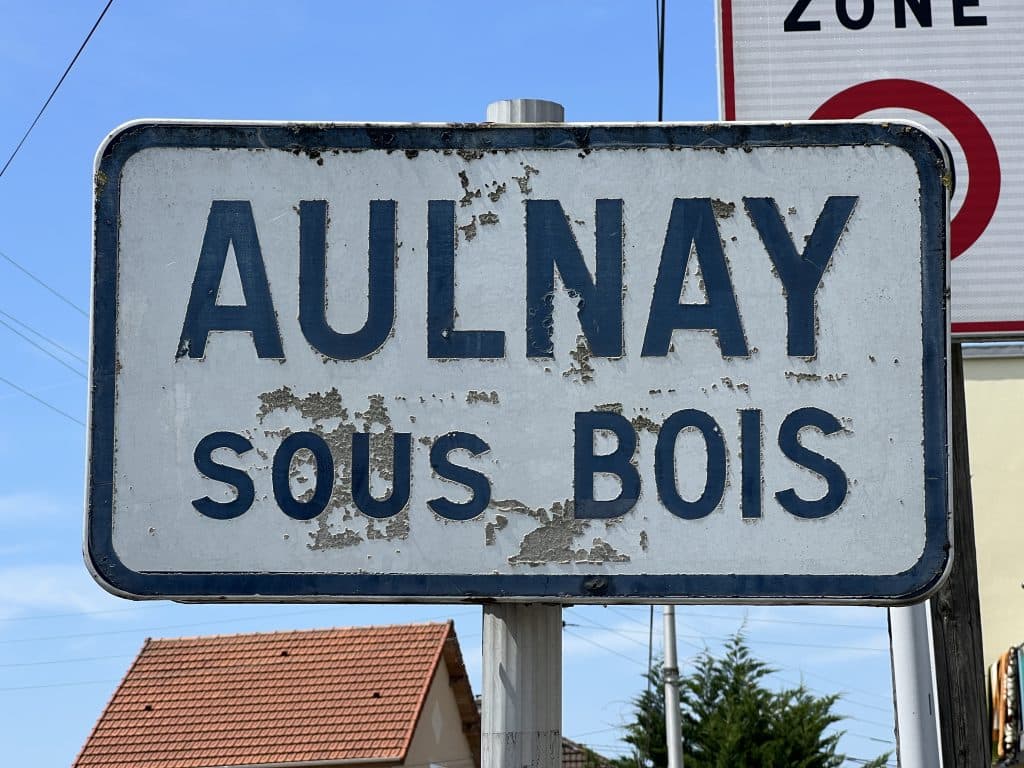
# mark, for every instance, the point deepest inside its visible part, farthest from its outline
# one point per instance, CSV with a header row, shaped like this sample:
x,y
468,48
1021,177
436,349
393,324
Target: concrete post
x,y
913,684
525,111
522,697
522,643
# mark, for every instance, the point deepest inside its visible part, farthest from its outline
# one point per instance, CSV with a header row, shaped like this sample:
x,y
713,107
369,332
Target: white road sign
x,y
565,363
952,65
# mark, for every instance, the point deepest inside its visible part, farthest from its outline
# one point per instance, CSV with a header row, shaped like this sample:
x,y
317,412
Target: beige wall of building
x,y
995,428
438,738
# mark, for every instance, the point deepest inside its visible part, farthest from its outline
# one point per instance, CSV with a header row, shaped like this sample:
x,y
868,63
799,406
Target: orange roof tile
x,y
333,694
575,755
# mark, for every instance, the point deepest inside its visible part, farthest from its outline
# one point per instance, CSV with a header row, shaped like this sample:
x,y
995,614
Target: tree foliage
x,y
731,719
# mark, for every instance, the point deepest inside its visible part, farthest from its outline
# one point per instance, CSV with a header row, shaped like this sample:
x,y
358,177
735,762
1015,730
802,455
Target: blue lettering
x,y
443,341
618,463
750,462
550,242
230,222
665,469
832,473
313,282
244,490
800,273
692,226
401,461
281,473
475,481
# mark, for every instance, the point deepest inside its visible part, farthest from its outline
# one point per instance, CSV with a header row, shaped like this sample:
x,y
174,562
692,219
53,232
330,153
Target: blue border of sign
x,y
911,585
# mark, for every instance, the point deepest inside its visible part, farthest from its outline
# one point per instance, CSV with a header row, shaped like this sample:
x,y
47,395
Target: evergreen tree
x,y
730,719
646,733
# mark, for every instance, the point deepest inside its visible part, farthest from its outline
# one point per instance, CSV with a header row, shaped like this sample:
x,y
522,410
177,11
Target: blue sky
x,y
64,643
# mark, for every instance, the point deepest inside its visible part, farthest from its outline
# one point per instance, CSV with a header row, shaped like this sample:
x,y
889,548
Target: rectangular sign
x,y
952,65
561,363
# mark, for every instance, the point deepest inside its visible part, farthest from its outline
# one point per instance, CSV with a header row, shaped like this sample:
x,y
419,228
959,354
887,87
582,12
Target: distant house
x,y
366,696
578,756
361,697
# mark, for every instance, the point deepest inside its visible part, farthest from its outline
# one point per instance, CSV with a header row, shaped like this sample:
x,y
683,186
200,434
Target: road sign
x,y
951,65
560,362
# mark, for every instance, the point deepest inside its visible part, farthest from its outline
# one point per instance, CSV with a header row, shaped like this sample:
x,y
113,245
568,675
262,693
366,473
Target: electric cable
x,y
44,337
659,18
253,617
45,285
54,91
42,349
603,647
844,698
40,400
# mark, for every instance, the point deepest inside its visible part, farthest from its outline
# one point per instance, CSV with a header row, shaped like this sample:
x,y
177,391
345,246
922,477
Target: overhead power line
x,y
621,632
40,400
598,625
749,620
659,17
603,647
42,349
57,86
229,620
43,616
44,337
45,285
732,617
58,685
825,646
758,641
75,660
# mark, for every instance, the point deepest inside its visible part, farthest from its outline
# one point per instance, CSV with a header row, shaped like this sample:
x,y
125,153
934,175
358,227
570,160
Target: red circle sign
x,y
980,151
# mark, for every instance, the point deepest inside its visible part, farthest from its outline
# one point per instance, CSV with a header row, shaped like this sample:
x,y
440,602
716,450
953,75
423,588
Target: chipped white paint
x,y
867,370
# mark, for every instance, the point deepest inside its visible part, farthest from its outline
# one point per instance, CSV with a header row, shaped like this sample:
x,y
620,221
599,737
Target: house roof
x,y
576,755
349,694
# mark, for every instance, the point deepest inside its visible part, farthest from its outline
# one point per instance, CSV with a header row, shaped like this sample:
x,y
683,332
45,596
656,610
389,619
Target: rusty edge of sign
x,y
913,585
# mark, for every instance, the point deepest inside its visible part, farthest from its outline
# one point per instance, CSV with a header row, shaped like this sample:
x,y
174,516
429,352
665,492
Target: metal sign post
x,y
673,726
521,712
914,700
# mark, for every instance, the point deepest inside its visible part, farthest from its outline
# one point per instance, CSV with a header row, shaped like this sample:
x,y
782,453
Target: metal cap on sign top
x,y
525,111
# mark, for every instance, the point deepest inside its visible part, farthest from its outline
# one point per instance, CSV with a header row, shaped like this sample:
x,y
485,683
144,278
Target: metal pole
x,y
525,111
913,682
522,644
673,728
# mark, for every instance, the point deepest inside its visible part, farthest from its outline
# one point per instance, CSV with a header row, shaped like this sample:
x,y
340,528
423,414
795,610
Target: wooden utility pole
x,y
956,618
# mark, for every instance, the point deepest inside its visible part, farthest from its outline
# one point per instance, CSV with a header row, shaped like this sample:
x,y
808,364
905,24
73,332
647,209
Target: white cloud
x,y
51,588
23,506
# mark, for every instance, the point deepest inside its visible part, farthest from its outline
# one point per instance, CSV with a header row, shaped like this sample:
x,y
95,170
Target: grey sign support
x,y
522,646
917,717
